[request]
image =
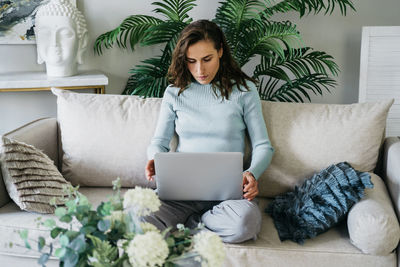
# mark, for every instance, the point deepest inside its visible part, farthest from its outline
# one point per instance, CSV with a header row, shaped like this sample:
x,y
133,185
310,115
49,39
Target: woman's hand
x,y
150,171
250,186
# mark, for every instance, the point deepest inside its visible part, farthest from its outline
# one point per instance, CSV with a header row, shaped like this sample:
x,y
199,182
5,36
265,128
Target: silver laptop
x,y
199,176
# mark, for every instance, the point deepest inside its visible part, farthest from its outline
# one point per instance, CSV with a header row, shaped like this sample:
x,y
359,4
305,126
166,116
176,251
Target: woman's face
x,y
203,61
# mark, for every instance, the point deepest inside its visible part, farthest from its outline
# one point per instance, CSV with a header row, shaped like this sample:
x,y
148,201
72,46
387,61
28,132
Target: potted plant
x,y
286,71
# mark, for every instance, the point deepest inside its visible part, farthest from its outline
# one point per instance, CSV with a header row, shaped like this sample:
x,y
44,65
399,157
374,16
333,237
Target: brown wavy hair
x,y
229,72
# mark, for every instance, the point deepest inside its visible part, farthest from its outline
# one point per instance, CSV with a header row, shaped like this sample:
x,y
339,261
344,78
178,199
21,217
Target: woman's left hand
x,y
250,186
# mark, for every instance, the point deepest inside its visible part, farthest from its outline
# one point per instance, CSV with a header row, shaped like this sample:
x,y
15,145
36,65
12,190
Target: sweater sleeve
x,y
262,150
165,125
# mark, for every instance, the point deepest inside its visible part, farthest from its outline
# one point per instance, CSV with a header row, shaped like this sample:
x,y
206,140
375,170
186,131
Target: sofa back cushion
x,y
310,137
104,137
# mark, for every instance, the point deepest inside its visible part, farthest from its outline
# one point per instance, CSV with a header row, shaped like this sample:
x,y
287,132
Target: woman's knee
x,y
247,226
237,220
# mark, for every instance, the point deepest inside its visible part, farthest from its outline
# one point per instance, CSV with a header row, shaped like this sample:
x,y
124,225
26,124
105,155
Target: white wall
x,y
336,35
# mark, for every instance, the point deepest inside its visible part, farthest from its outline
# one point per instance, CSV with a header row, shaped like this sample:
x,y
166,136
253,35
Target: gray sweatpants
x,y
234,221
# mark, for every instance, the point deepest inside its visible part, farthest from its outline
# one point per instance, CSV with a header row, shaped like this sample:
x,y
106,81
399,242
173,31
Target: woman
x,y
210,104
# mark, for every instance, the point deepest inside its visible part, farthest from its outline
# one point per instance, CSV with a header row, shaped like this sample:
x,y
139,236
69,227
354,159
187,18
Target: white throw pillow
x,y
372,222
105,136
30,176
309,137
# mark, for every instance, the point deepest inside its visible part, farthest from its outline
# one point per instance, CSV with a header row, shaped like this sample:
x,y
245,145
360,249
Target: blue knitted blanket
x,y
319,203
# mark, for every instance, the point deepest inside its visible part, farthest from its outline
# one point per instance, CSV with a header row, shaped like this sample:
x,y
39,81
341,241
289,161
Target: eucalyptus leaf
x,y
70,258
78,244
66,218
87,229
83,200
56,231
82,209
64,240
60,252
43,259
41,243
105,208
27,245
103,225
71,234
70,203
23,234
59,212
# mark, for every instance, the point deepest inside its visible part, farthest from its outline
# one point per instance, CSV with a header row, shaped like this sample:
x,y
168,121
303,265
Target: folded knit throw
x,y
319,203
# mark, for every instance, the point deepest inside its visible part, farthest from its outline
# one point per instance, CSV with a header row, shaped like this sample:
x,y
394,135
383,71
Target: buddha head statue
x,y
61,37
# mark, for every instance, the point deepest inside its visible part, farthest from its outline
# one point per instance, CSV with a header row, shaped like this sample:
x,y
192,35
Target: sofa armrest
x,y
391,170
42,134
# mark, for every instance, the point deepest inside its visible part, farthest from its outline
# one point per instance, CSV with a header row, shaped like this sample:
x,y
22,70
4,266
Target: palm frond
x,y
233,12
263,38
131,31
169,48
148,80
163,32
299,62
295,90
281,7
231,15
304,7
167,33
175,10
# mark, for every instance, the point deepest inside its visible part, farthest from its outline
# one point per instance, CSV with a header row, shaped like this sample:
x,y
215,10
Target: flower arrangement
x,y
115,234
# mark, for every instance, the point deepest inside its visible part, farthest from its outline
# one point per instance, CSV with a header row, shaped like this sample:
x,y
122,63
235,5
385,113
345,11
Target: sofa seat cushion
x,y
332,248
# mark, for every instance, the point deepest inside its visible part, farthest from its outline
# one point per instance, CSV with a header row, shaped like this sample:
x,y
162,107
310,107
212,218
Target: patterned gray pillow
x,y
30,176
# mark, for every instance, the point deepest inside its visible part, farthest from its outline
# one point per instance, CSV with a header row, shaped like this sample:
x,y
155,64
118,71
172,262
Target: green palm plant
x,y
287,70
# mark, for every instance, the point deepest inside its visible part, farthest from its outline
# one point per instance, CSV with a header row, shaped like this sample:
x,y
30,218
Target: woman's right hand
x,y
150,171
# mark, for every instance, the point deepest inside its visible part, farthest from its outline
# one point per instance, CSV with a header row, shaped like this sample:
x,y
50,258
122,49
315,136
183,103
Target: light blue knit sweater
x,y
205,122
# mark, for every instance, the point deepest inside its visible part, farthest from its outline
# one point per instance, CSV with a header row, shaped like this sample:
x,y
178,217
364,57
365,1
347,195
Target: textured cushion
x,y
372,223
309,137
319,203
105,136
30,176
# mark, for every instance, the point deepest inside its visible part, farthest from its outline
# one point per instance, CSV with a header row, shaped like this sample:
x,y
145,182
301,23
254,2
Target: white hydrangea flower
x,y
142,200
210,248
147,250
148,227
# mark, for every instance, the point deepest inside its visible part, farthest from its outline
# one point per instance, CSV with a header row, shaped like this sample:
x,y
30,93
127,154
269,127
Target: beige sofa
x,y
97,138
